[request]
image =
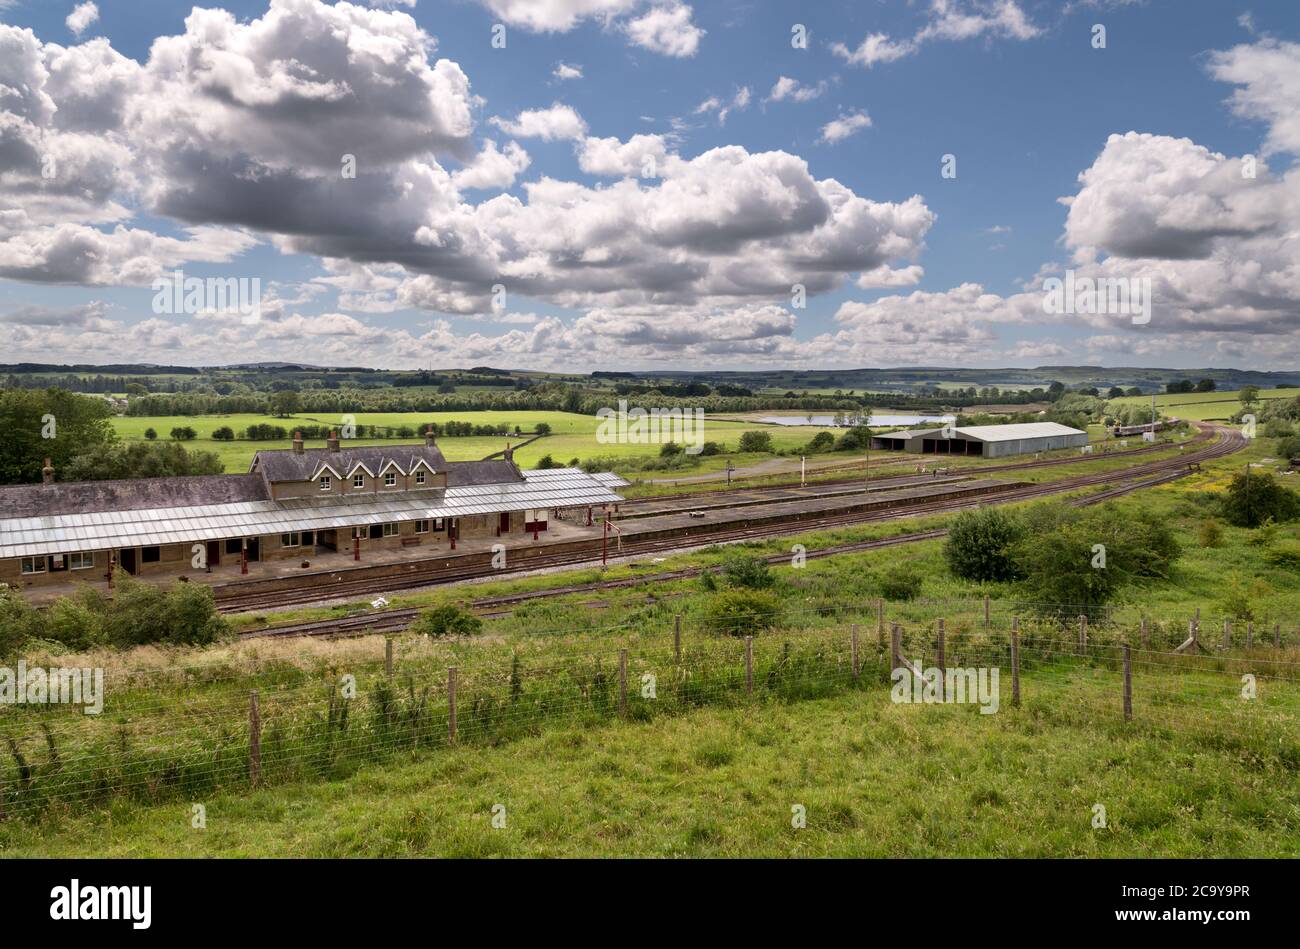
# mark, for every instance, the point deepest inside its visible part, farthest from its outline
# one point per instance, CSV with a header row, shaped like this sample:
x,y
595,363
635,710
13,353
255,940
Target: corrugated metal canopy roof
x,y
66,533
1016,431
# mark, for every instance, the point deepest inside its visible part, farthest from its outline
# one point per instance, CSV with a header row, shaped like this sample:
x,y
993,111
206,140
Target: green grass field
x,y
1203,406
875,779
573,436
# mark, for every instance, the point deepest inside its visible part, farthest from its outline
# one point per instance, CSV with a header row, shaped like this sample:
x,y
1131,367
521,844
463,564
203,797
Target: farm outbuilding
x,y
988,441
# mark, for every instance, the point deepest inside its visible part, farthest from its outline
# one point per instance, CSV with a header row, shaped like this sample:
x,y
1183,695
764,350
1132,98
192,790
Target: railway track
x,y
1199,438
1133,479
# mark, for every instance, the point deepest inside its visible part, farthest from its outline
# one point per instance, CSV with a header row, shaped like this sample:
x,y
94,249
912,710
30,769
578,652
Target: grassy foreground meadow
x,y
875,779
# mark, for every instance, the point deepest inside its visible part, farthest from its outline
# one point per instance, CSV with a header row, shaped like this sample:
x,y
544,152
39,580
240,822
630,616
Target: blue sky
x,y
1015,91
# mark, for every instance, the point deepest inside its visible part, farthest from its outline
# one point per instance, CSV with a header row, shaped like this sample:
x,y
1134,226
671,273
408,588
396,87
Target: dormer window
x,y
419,477
326,483
358,481
390,480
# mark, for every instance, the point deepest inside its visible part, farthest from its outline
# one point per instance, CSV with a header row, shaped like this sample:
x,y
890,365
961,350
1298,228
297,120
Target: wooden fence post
x,y
880,624
254,740
1128,685
986,611
1227,633
1250,634
853,649
1083,634
388,657
895,647
622,683
749,665
1277,635
940,650
1146,634
1015,661
451,705
677,638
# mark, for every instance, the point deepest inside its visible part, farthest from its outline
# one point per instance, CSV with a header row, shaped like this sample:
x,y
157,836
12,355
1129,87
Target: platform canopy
x,y
145,527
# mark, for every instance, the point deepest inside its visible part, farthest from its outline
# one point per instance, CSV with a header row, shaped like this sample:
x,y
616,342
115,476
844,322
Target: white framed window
x,y
419,477
390,479
33,565
326,483
390,530
358,533
439,524
422,527
80,561
291,539
359,481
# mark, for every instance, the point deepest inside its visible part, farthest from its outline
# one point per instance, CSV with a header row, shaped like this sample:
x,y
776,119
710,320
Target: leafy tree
x,y
447,620
223,434
1114,392
981,544
142,460
183,433
756,442
1253,498
1205,385
546,461
821,442
285,403
36,424
1076,561
1249,395
150,433
542,428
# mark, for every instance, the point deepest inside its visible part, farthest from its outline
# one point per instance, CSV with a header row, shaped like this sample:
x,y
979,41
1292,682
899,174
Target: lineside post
x,y
853,649
254,740
1015,661
677,638
1128,685
388,657
749,665
622,683
451,705
940,650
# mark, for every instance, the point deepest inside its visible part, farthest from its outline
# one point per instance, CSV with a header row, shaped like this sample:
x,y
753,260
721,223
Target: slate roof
x,y
135,494
284,464
462,473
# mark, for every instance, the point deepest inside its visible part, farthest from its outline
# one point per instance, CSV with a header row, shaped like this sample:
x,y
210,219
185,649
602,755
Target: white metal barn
x,y
988,441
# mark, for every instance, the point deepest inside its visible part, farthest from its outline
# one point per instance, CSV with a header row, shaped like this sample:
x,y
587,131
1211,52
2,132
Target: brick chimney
x,y
510,453
297,443
332,443
47,473
430,439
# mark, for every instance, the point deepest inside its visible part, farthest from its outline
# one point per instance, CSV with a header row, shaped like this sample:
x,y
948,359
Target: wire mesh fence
x,y
185,731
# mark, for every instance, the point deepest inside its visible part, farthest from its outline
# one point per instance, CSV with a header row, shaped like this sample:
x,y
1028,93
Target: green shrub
x,y
742,612
1285,554
899,583
447,620
19,621
1209,534
981,544
1240,601
756,441
743,569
